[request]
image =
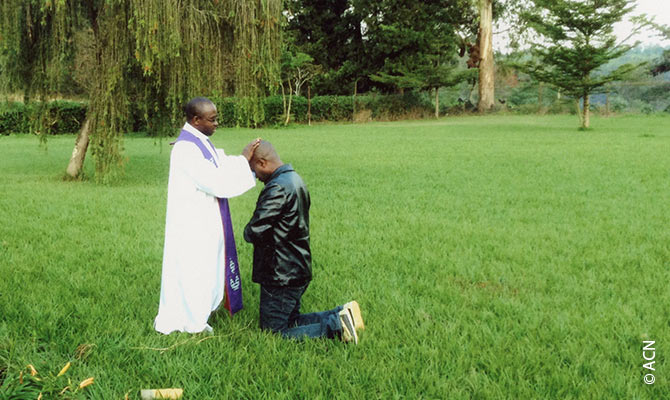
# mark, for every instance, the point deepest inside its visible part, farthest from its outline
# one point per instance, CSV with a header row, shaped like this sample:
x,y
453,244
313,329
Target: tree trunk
x,y
309,105
283,97
353,115
437,102
586,120
471,94
486,66
579,112
79,153
288,108
607,104
298,82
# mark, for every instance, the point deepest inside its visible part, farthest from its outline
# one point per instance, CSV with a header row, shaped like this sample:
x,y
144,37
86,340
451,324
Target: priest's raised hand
x,y
249,150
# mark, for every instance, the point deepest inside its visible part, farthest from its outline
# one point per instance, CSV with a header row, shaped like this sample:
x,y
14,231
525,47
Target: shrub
x,y
362,116
227,110
563,106
60,117
299,109
274,109
332,108
459,106
530,108
647,109
65,116
394,106
12,118
618,103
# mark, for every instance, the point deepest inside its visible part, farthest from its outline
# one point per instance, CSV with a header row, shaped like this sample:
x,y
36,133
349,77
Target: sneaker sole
x,y
355,312
348,329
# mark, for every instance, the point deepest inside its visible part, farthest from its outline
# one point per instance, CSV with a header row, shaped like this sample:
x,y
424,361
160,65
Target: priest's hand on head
x,y
248,151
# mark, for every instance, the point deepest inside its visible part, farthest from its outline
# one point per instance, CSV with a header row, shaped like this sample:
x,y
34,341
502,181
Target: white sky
x,y
659,9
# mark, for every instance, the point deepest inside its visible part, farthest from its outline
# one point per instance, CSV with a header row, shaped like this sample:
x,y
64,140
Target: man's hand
x,y
248,151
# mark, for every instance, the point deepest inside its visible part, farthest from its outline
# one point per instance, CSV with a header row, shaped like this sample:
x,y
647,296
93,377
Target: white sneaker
x,y
348,330
355,312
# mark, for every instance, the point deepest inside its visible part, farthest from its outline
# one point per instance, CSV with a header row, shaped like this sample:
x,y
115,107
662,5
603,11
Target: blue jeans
x,y
280,313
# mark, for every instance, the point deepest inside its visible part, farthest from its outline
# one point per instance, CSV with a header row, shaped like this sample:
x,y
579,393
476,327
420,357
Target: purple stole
x,y
233,286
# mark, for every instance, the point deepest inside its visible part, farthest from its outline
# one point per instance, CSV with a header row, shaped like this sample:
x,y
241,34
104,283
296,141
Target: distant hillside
x,y
650,54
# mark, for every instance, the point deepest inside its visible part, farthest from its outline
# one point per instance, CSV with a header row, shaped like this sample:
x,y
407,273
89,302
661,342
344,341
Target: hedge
x,y
61,117
328,108
12,118
67,116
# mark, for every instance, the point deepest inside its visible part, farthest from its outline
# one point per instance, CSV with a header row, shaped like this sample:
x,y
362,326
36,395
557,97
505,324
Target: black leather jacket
x,y
279,231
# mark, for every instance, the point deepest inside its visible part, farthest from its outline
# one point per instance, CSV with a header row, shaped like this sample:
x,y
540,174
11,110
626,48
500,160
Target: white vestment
x,y
193,279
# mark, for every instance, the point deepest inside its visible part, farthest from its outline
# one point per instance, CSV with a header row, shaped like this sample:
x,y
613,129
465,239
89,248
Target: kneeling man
x,y
279,231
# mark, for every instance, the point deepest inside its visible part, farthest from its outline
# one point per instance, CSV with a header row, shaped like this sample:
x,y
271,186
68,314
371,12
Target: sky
x,y
659,9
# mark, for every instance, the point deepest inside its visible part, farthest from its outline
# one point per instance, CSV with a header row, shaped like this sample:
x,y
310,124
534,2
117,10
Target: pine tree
x,y
415,44
576,39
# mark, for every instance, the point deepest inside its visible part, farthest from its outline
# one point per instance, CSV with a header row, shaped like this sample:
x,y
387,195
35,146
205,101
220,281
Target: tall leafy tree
x,y
414,44
575,39
390,45
331,32
156,53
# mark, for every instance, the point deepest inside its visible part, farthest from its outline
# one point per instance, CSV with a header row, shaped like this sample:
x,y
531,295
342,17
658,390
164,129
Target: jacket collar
x,y
280,170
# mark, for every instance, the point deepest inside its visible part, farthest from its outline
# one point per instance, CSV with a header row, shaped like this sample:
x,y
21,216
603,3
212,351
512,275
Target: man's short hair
x,y
195,107
266,151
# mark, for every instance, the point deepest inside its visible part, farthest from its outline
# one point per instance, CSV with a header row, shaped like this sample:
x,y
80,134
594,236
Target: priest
x,y
199,257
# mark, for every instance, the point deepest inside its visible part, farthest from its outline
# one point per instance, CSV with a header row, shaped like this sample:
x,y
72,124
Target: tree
x,y
663,64
375,44
432,73
156,53
481,53
486,64
296,70
577,40
415,44
331,32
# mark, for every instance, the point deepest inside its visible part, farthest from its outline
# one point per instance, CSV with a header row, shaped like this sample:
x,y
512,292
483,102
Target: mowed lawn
x,y
493,257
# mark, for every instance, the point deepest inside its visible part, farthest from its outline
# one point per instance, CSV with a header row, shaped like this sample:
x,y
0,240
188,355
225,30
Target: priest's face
x,y
206,121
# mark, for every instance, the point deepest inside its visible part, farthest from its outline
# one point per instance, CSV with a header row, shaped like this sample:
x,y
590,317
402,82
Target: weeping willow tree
x,y
153,53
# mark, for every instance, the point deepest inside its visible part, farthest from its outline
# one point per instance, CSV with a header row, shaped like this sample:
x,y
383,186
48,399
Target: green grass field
x,y
493,257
